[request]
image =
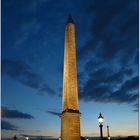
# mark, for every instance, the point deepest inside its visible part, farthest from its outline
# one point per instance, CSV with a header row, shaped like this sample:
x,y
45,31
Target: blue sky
x,y
32,65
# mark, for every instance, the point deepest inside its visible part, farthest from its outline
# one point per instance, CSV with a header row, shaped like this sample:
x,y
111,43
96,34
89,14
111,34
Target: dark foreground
x,y
83,138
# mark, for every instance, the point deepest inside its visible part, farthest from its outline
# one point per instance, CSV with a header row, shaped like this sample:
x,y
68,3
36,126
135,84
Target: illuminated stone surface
x,y
70,117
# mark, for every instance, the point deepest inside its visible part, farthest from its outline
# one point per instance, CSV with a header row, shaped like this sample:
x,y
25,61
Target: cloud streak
x,y
5,125
102,90
14,114
22,72
53,113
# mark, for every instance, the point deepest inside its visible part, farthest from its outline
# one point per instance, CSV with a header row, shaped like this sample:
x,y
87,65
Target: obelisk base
x,y
70,125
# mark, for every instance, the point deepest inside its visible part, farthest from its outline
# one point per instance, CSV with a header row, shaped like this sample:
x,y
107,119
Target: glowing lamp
x,y
100,119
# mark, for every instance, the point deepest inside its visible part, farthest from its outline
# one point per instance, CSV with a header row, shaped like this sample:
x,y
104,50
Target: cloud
x,y
105,87
5,125
136,60
118,77
104,75
136,107
21,72
110,55
54,113
46,88
92,65
27,26
114,33
128,92
14,114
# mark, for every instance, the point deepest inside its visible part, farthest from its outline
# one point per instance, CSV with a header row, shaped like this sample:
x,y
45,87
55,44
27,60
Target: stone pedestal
x,y
70,125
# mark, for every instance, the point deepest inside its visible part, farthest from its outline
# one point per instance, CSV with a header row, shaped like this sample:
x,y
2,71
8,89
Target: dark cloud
x,y
5,125
118,77
110,56
45,88
136,60
92,65
81,78
105,75
14,114
21,72
53,113
128,92
136,107
114,30
102,87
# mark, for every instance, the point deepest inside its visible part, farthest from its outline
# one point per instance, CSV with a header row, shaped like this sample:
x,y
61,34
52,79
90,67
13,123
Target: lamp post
x,y
100,120
108,135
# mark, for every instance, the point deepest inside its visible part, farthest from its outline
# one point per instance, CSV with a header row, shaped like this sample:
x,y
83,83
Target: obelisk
x,y
70,116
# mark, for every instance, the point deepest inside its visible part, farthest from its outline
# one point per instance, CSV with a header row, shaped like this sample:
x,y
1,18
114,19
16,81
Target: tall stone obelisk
x,y
70,116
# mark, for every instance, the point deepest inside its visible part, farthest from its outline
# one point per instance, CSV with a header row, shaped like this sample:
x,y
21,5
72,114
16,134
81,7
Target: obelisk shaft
x,y
70,92
70,117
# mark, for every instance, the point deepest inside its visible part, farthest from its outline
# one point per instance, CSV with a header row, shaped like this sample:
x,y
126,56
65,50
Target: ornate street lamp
x,y
100,120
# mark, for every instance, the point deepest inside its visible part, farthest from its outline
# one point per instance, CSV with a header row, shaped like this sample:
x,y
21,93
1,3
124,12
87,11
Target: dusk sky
x,y
32,65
